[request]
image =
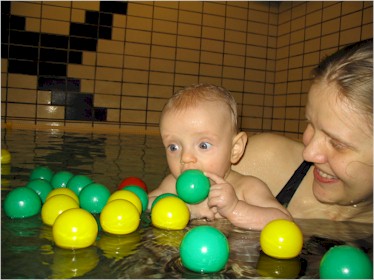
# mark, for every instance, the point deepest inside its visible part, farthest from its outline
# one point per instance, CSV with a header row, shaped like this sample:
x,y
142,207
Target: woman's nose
x,y
315,150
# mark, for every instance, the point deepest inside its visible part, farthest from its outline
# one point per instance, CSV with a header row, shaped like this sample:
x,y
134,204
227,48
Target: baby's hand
x,y
202,211
222,195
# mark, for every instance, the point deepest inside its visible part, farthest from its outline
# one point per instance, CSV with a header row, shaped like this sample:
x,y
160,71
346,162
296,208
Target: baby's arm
x,y
167,186
249,205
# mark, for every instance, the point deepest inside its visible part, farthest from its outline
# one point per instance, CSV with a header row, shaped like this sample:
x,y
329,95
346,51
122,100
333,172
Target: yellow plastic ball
x,y
281,239
64,191
119,216
55,205
75,229
170,213
127,195
5,156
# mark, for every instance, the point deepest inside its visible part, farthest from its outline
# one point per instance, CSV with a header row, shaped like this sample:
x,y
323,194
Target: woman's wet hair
x,y
351,70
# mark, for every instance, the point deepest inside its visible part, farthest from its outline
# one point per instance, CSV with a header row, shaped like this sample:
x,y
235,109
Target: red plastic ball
x,y
133,181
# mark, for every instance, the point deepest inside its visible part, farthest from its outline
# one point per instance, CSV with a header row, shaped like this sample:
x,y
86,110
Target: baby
x,y
199,130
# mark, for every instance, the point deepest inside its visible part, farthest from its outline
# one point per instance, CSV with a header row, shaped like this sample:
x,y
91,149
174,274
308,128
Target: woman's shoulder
x,y
271,157
274,145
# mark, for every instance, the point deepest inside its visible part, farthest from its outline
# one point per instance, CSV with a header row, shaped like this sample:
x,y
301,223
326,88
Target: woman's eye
x,y
173,148
337,145
205,145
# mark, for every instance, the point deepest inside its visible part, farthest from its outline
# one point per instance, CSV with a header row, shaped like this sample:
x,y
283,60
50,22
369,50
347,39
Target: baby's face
x,y
199,137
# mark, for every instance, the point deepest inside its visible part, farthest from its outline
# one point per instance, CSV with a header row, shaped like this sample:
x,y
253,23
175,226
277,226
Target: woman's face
x,y
339,141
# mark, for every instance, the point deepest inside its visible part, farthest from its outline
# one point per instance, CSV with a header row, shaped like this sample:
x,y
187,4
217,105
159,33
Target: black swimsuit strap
x,y
286,194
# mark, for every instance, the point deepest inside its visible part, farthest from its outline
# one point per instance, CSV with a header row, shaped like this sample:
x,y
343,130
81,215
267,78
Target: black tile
x,y
51,84
75,57
54,41
17,22
4,51
58,84
20,52
105,32
5,7
106,19
79,99
73,85
92,17
83,30
22,67
83,44
100,114
58,98
115,7
24,38
5,36
52,69
53,55
79,107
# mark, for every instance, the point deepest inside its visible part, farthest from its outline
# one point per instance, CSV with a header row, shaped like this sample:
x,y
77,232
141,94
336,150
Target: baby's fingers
x,y
215,178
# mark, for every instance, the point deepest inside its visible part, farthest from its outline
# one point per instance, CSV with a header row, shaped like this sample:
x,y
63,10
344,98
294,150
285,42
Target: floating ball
x,y
55,205
170,213
120,217
22,202
127,195
193,186
281,239
64,191
133,181
204,249
74,229
5,156
41,187
60,179
346,262
161,196
41,172
78,182
142,194
93,197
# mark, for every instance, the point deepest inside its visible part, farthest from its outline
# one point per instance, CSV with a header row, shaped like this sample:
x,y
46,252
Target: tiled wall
x,y
111,65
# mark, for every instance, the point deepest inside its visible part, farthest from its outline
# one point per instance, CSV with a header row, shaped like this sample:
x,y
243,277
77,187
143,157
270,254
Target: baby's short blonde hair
x,y
190,96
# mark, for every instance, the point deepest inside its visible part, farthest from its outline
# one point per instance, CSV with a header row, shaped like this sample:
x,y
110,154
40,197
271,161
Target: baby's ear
x,y
238,146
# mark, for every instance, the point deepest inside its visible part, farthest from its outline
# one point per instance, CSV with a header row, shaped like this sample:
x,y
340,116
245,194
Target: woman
x,y
338,145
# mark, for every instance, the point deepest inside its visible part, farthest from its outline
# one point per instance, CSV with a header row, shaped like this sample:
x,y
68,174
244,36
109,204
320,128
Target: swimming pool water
x,y
28,251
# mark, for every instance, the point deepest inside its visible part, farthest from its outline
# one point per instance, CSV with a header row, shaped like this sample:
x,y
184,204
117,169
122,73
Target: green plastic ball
x,y
161,196
41,172
204,249
94,197
141,193
41,187
60,179
193,186
78,182
345,262
22,202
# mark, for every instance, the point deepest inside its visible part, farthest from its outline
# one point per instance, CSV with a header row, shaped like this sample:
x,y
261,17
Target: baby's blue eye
x,y
173,147
205,145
